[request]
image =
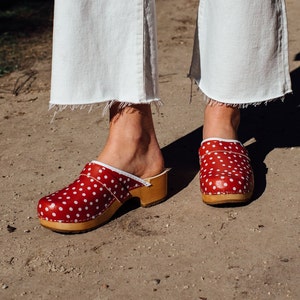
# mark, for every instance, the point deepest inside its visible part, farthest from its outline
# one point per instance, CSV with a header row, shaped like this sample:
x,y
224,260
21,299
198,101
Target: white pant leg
x,y
241,51
98,52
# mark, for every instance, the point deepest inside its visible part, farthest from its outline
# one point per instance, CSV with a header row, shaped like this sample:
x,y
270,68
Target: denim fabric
x,y
105,51
241,51
98,52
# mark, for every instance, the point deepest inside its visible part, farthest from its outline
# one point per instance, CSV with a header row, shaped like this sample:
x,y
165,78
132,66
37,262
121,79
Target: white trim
x,y
221,140
144,182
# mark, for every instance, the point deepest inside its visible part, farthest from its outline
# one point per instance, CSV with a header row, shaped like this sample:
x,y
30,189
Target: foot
x,y
225,175
132,145
103,186
225,171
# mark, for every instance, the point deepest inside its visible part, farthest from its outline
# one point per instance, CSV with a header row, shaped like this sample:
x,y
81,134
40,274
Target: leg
x,y
225,174
221,121
130,165
237,44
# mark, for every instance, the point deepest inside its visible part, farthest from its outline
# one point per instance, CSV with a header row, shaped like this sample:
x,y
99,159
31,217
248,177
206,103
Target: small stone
x,y
284,260
105,286
156,281
4,286
11,229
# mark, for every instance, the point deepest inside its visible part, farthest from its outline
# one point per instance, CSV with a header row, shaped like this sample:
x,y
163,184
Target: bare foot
x,y
132,145
221,121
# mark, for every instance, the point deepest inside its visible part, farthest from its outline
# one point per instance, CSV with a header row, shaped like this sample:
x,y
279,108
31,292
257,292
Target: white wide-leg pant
x,y
105,51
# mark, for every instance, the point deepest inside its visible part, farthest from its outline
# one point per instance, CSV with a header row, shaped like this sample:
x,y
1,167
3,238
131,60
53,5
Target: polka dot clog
x,y
225,172
95,196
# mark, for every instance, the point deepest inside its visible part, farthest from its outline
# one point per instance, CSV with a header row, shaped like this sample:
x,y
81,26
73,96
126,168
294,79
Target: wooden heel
x,y
155,193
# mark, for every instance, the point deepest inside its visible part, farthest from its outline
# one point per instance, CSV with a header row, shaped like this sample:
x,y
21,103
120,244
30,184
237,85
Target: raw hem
x,y
105,106
210,101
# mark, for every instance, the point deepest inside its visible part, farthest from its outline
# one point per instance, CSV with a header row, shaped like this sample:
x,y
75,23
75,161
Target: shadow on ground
x,y
276,125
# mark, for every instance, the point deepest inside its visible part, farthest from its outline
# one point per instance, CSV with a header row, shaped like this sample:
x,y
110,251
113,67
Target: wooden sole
x,y
226,198
82,226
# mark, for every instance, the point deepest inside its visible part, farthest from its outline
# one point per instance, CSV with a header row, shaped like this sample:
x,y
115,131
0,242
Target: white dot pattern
x,y
88,196
225,168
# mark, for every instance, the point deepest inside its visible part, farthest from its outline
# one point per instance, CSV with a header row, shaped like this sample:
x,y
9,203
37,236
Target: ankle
x,y
221,121
140,159
132,145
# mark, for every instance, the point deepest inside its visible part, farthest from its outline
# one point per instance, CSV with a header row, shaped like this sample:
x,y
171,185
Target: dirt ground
x,y
180,249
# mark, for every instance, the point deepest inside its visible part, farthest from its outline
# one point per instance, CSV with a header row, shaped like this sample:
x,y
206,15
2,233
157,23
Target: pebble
x,y
4,286
284,260
10,228
105,286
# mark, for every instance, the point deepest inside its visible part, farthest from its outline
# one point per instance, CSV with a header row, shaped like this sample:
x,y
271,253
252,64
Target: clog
x,y
226,175
93,198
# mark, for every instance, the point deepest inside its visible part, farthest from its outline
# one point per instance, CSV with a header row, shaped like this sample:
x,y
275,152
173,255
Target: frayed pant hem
x,y
211,101
105,106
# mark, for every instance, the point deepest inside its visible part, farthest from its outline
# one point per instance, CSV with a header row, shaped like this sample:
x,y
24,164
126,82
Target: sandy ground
x,y
180,249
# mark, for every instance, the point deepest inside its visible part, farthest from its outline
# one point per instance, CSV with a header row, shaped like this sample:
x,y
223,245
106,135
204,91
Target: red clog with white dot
x,y
95,196
226,175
